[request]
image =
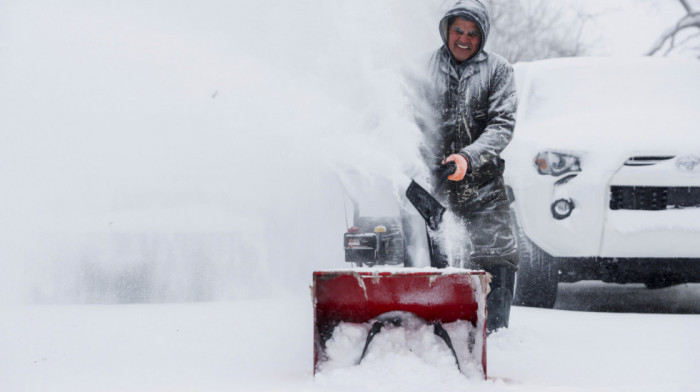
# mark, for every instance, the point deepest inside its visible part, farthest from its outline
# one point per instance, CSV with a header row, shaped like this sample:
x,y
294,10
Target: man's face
x,y
463,39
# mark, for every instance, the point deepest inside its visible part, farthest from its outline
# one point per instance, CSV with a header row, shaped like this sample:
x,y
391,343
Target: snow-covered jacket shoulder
x,y
475,109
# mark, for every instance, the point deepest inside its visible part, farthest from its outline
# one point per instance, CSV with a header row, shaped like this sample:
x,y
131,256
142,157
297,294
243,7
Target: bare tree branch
x,y
524,30
686,5
692,20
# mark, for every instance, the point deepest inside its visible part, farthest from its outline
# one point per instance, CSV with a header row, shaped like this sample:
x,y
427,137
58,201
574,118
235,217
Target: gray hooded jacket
x,y
471,111
474,103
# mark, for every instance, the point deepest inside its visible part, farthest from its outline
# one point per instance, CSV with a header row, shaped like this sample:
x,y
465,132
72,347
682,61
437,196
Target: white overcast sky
x,y
629,27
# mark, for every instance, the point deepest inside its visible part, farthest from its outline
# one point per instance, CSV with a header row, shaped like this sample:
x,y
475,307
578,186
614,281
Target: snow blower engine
x,y
374,241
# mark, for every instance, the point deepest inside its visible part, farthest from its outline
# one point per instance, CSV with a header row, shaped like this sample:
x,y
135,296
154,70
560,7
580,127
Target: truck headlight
x,y
556,164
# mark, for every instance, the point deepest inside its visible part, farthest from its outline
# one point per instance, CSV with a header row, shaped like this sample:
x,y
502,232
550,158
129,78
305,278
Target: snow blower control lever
x,y
427,205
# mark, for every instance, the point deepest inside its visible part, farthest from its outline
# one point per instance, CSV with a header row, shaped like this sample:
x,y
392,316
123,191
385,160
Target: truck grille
x,y
647,160
652,198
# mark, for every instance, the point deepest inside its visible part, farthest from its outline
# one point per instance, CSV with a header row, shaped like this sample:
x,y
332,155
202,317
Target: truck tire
x,y
538,275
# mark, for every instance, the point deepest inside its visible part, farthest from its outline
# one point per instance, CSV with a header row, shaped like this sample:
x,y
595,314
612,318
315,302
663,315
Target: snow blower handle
x,y
442,172
426,204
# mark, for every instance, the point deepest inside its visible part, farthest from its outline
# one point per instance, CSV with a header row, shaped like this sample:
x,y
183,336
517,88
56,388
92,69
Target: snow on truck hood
x,y
613,132
609,104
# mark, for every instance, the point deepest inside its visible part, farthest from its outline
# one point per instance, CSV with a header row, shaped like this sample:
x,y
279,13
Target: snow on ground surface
x,y
266,345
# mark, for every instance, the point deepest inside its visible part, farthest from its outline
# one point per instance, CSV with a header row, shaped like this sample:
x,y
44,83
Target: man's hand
x,y
462,166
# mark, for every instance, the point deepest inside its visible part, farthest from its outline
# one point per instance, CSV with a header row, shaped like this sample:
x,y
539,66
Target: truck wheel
x,y
538,275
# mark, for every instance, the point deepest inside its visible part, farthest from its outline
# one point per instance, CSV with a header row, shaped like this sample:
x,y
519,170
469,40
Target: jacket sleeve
x,y
502,106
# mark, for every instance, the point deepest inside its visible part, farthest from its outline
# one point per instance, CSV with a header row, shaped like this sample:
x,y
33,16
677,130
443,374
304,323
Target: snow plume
x,y
453,239
163,151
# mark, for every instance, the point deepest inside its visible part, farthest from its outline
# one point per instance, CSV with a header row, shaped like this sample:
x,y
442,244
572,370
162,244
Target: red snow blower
x,y
452,301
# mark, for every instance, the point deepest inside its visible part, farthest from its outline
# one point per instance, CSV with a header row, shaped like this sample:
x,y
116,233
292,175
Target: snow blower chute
x,y
449,303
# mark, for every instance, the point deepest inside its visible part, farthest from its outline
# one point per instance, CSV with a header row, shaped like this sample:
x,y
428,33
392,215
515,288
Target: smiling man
x,y
471,103
463,39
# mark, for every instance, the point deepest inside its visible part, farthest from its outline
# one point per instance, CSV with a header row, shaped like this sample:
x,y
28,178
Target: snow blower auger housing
x,y
451,300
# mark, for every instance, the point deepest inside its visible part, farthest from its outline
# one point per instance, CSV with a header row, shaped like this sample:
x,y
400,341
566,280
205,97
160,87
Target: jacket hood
x,y
473,10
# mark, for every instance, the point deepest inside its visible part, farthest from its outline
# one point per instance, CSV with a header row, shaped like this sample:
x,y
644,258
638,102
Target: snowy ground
x,y
266,345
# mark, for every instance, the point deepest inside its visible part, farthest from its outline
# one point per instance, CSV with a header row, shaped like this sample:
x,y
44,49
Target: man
x,y
471,98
